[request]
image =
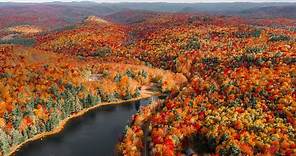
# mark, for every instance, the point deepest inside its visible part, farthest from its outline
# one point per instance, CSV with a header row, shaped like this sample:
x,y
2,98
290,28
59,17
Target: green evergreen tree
x,y
49,104
127,95
55,118
4,142
49,125
54,90
16,117
33,131
6,116
144,74
138,92
67,108
16,121
77,105
25,134
16,111
31,104
40,126
130,73
16,137
111,97
59,106
117,77
193,44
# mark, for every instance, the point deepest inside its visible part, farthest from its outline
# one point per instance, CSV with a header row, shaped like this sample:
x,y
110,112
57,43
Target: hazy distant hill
x,y
52,15
274,11
59,14
137,12
201,7
131,16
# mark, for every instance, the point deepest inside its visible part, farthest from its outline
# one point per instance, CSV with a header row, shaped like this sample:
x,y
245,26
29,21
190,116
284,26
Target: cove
x,y
95,133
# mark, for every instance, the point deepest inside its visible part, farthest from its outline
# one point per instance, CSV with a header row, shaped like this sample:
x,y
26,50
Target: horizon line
x,y
31,2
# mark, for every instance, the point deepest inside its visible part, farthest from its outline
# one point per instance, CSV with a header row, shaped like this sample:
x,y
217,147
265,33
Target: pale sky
x,y
171,1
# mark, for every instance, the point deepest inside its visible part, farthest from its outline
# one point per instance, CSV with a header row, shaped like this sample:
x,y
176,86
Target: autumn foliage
x,y
240,99
39,89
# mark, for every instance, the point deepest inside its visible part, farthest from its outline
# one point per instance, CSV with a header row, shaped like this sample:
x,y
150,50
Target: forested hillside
x,y
230,80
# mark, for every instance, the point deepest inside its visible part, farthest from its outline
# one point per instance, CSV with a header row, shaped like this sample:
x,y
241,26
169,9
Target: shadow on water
x,y
94,134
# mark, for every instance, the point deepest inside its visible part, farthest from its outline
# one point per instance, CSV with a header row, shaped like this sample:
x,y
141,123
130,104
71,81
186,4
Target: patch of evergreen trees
x,y
59,106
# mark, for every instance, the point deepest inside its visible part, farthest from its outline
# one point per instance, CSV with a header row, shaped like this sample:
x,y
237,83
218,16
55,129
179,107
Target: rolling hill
x,y
271,12
59,14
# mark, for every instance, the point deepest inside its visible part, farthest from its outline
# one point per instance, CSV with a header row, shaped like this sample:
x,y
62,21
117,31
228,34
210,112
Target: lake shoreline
x,y
63,122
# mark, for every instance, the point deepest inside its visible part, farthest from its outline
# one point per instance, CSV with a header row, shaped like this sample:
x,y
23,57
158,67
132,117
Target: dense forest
x,y
230,79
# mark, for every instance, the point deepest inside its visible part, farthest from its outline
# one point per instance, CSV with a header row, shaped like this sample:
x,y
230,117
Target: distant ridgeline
x,y
59,14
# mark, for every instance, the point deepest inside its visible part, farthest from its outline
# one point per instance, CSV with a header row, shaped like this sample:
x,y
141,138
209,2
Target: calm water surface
x,y
94,134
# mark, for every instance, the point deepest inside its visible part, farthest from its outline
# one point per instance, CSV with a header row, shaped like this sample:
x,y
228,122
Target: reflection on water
x,y
129,106
94,134
137,105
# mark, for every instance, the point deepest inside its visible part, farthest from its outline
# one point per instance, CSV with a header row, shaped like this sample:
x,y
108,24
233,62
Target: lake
x,y
96,133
